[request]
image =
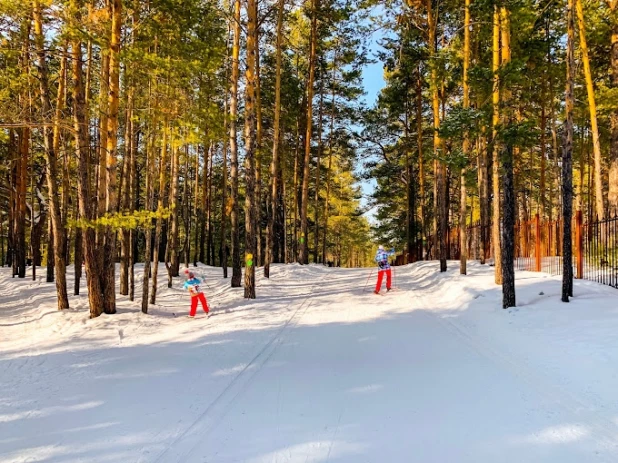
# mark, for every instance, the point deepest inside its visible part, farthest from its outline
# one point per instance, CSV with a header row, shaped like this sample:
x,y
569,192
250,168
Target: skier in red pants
x,y
384,268
193,285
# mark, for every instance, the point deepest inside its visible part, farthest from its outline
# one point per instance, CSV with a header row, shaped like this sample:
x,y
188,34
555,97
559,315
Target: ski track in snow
x,y
317,369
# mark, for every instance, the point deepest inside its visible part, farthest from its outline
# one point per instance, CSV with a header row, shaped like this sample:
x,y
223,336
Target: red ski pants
x,y
202,298
388,279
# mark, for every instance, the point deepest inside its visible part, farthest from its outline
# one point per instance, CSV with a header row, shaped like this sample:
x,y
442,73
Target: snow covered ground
x,y
316,369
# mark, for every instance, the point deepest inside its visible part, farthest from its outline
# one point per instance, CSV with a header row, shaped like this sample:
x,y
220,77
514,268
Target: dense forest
x,y
234,133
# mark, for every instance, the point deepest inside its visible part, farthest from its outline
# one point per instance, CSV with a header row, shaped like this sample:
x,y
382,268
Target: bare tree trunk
x,y
507,243
210,258
274,165
567,155
613,151
160,207
496,157
543,180
127,177
440,190
60,107
463,237
82,149
583,47
224,170
101,180
51,262
421,160
174,266
236,269
296,196
52,167
250,147
258,153
79,257
303,255
316,199
111,207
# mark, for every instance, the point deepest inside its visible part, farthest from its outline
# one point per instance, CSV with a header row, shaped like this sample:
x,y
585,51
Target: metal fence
x,y
538,247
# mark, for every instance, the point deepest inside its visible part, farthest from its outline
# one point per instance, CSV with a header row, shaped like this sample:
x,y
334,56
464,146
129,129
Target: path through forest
x,y
316,369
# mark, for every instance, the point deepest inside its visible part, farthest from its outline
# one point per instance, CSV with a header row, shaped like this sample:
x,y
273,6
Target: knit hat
x,y
189,273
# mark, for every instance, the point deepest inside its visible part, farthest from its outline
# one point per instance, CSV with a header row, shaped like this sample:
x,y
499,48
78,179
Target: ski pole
x,y
367,282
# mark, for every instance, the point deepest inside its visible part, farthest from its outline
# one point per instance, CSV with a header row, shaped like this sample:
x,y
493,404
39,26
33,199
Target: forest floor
x,y
316,369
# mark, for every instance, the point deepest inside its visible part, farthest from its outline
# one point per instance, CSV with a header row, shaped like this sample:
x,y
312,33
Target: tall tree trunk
x,y
554,186
160,207
274,164
440,190
149,195
21,168
421,160
495,148
613,151
209,215
296,186
303,255
258,147
51,262
149,200
82,149
174,267
583,47
316,198
543,180
224,170
567,155
236,269
52,167
204,251
196,207
111,207
101,179
330,163
508,210
463,237
127,177
60,107
250,147
79,257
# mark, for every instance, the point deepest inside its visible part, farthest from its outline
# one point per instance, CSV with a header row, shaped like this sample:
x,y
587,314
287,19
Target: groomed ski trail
x,y
318,370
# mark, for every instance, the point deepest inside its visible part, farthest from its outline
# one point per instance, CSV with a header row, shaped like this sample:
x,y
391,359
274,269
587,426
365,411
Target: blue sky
x,y
373,82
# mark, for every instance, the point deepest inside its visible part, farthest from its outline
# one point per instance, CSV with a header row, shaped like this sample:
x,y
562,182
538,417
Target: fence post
x,y
537,243
579,245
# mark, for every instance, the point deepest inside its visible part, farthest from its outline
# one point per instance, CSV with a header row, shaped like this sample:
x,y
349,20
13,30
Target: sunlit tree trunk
x,y
55,213
592,106
250,147
160,207
613,152
440,189
496,206
274,165
303,255
507,242
567,155
82,150
109,287
316,199
236,268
